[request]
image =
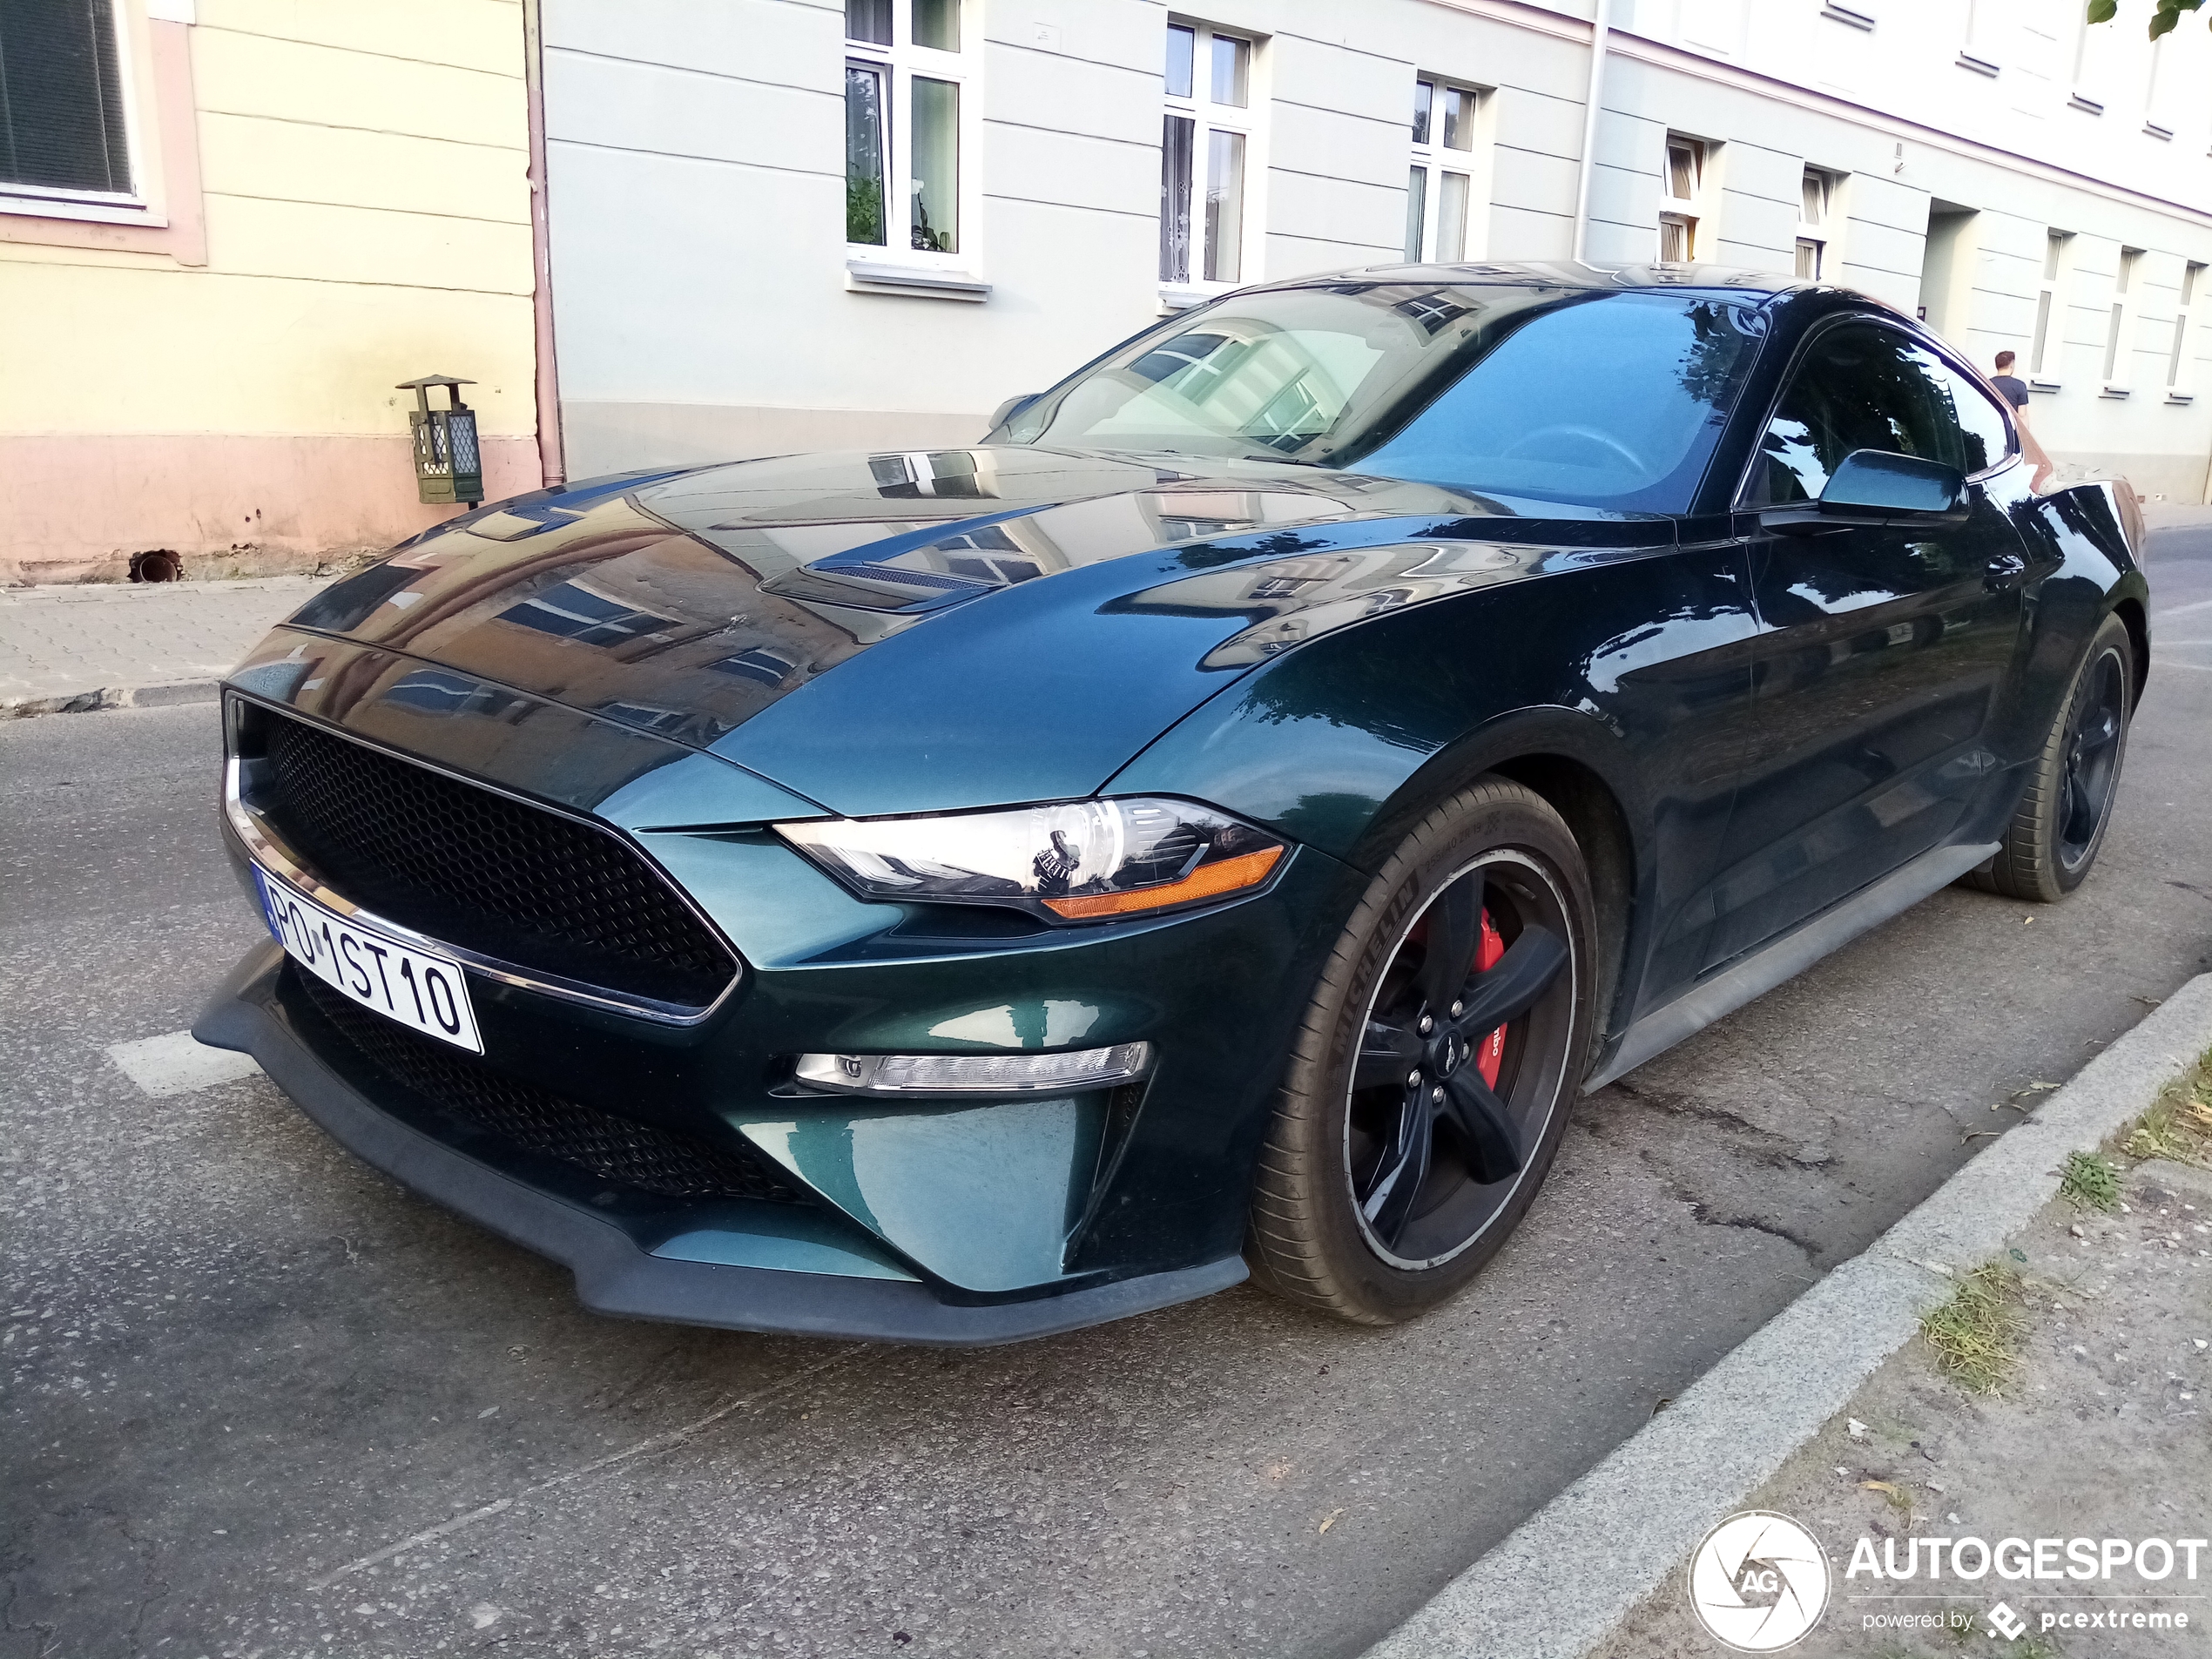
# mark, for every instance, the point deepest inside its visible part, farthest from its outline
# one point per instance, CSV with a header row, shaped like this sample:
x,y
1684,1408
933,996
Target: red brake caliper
x,y
1492,1049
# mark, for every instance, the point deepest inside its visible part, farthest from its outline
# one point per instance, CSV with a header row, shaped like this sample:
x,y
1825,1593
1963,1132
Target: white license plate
x,y
422,992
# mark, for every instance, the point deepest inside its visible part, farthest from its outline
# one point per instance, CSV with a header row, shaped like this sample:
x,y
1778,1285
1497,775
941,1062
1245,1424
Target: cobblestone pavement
x,y
59,644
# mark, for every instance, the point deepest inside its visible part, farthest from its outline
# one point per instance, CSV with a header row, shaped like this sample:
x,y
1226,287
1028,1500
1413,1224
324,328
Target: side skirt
x,y
1788,956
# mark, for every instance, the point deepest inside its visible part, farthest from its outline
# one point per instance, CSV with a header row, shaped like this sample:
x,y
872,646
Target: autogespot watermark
x,y
1761,1581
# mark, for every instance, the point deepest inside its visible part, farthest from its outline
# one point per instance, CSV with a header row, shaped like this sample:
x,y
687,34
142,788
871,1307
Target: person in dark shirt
x,y
2015,391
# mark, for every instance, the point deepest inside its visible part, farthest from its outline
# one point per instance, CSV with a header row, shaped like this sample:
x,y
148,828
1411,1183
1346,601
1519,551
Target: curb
x,y
1567,1577
113,697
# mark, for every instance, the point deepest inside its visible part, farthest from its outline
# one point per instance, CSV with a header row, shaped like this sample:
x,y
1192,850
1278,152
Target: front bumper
x,y
615,1272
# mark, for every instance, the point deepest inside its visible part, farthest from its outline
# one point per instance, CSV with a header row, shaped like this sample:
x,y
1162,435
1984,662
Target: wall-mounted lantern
x,y
448,467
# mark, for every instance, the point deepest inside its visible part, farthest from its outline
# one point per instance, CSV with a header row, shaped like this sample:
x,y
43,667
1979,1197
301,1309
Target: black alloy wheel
x,y
2092,759
1442,1111
1429,1082
2066,805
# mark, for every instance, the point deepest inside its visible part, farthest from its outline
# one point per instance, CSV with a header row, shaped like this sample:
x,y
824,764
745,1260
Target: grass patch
x,y
2178,1123
2089,1181
1973,1334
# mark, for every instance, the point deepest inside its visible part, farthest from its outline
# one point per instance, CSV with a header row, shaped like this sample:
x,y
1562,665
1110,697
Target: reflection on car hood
x,y
688,604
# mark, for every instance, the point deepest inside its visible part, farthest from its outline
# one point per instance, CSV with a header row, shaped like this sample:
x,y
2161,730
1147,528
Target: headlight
x,y
1085,861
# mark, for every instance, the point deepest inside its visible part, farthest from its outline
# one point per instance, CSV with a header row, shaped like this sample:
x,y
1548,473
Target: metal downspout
x,y
552,466
1600,30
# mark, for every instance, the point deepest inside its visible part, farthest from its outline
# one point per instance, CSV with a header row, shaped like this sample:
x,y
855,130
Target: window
x,y
1863,386
2050,309
904,77
1204,140
2177,364
1441,185
63,128
573,611
1817,196
1608,399
2117,364
1684,183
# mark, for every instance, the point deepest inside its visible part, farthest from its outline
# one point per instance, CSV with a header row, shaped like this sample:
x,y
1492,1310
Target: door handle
x,y
2003,571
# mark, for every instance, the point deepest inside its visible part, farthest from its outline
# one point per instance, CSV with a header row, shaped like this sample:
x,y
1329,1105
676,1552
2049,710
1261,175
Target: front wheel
x,y
2062,815
1429,1084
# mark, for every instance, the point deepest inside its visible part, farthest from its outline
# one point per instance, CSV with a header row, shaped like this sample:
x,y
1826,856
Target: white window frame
x,y
2180,380
895,264
1434,161
137,206
1817,230
1688,212
2120,323
2047,345
1208,117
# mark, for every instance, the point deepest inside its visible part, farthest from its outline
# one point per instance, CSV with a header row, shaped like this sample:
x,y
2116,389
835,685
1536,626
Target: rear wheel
x,y
1429,1085
2060,821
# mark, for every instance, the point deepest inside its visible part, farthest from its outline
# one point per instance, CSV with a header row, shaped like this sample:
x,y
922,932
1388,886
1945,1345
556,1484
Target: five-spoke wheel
x,y
1429,1084
2066,802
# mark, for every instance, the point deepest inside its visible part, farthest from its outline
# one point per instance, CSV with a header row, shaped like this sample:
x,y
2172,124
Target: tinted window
x,y
1860,387
1988,438
1616,401
1607,398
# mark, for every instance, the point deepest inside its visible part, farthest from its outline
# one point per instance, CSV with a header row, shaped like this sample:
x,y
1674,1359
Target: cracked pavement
x,y
260,1400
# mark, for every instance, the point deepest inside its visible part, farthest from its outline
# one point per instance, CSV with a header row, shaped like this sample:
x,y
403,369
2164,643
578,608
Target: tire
x,y
2059,824
1342,1218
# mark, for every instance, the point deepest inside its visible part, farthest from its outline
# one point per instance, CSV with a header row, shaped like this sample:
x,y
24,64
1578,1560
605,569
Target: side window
x,y
1860,387
1986,434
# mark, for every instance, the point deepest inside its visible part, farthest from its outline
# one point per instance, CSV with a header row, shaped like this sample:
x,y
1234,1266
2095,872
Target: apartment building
x,y
777,225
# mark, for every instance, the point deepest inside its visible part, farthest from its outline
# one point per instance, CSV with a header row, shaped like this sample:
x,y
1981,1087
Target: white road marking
x,y
2169,662
175,1065
2181,610
657,1443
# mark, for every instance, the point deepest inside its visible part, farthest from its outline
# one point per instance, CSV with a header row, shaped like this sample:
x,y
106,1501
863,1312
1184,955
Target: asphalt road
x,y
260,1402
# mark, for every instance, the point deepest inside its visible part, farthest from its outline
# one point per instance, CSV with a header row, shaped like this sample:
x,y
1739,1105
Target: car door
x,y
1883,647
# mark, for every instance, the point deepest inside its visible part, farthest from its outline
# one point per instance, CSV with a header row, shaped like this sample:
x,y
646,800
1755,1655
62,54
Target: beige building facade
x,y
227,227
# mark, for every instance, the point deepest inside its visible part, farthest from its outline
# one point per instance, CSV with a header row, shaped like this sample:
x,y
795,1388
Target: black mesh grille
x,y
483,871
616,1150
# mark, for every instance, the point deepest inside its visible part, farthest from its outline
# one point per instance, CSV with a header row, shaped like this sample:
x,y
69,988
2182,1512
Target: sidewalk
x,y
2100,1432
113,645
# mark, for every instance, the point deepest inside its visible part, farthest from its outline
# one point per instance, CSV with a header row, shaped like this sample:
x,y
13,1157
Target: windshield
x,y
1606,399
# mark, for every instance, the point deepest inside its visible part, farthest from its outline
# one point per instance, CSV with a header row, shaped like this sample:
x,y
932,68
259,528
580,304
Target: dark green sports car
x,y
1214,825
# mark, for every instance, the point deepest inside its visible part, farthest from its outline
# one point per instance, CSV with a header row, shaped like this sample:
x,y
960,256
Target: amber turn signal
x,y
1207,881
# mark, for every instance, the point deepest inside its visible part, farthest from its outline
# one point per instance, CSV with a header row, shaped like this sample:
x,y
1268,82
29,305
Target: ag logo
x,y
1758,1582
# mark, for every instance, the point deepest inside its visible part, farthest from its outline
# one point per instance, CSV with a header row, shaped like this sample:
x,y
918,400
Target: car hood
x,y
915,632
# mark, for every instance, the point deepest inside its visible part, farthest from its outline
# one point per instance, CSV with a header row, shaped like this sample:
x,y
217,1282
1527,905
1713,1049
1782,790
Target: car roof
x,y
1763,285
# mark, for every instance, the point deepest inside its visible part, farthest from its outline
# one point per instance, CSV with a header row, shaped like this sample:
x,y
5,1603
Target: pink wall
x,y
75,508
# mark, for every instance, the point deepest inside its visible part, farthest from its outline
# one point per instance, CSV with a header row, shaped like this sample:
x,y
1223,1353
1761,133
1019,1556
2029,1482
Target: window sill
x,y
82,212
2157,131
2087,105
1980,66
1175,296
1848,15
2115,391
914,281
2181,397
2037,383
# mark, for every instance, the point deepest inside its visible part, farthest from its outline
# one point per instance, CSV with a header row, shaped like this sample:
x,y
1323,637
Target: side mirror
x,y
1877,484
1011,408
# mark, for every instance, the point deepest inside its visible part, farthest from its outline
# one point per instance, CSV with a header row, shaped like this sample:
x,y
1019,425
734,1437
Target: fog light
x,y
974,1074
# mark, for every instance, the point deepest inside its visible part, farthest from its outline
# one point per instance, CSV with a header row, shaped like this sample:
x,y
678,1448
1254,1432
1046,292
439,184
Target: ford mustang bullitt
x,y
1213,825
